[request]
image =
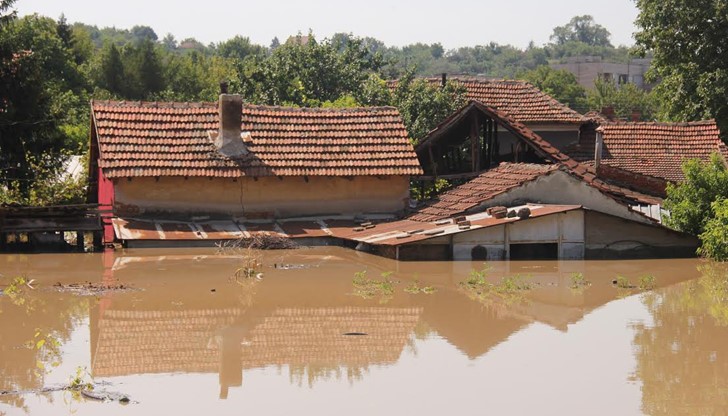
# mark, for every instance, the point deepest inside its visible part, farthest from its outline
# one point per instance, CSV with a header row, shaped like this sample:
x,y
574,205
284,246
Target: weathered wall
x,y
561,188
565,229
267,197
642,183
610,237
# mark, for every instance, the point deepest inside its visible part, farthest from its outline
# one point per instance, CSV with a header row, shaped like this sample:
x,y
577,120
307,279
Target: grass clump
x,y
578,281
415,288
509,288
369,288
646,282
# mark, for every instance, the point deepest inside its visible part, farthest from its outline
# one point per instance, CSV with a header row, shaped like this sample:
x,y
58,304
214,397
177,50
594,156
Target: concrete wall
x,y
267,197
609,237
561,188
565,229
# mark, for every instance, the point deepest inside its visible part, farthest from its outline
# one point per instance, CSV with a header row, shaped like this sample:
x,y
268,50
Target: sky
x,y
396,23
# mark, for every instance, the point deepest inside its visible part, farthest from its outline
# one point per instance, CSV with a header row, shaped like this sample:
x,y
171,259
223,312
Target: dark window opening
x,y
544,251
479,253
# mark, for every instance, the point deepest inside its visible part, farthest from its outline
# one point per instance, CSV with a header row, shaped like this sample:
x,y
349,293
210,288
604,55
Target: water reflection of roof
x,y
136,342
313,336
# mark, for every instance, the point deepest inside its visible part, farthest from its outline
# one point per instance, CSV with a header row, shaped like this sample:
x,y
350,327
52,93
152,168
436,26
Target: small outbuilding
x,y
526,211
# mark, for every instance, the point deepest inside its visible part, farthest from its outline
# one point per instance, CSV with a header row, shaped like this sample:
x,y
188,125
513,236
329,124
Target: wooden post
x,y
475,142
79,240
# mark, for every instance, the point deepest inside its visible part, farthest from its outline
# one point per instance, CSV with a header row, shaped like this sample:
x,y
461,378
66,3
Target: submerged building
x,y
229,161
200,173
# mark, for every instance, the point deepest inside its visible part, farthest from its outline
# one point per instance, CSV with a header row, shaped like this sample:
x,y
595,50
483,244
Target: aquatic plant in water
x,y
578,281
415,288
369,288
509,288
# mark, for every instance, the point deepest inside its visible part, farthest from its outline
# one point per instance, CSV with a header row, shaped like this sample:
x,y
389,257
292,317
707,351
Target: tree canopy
x,y
687,40
581,29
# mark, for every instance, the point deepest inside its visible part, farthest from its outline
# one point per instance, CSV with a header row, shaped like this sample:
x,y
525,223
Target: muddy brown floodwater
x,y
175,332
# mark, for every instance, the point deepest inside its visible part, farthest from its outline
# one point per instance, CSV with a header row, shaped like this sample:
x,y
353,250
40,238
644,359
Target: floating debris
x,y
92,289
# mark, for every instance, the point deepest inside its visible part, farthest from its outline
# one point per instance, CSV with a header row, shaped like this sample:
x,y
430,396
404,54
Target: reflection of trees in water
x,y
33,325
683,360
319,372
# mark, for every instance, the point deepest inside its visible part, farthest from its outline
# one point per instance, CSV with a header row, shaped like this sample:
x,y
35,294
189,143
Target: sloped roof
x,y
506,121
654,149
481,188
507,176
171,139
520,99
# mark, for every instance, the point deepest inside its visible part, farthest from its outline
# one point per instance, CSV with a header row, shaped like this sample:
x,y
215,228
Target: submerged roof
x,y
171,139
520,99
480,189
655,149
407,231
507,176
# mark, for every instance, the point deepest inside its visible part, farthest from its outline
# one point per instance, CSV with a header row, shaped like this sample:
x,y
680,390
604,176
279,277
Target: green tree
x,y
423,105
715,237
581,29
560,84
42,91
687,39
691,202
111,73
307,73
239,47
624,98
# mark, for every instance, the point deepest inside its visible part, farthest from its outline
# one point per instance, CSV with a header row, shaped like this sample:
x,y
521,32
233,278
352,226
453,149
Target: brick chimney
x,y
227,139
609,113
636,115
598,145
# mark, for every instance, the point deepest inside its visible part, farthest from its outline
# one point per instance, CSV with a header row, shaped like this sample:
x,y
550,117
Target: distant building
x,y
588,69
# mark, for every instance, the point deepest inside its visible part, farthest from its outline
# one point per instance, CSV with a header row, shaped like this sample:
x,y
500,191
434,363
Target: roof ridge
x,y
661,123
209,104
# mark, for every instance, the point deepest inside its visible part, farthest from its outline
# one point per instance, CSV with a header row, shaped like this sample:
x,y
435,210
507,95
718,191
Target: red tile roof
x,y
481,188
654,149
504,120
519,99
507,176
171,139
409,231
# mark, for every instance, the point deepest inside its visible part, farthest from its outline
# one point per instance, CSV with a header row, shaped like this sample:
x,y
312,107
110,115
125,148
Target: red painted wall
x,y
106,202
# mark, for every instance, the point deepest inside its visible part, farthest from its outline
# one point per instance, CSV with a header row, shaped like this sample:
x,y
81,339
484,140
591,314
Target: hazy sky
x,y
452,23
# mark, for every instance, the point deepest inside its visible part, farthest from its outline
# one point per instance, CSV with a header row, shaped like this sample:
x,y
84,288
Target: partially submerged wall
x,y
610,237
266,197
493,243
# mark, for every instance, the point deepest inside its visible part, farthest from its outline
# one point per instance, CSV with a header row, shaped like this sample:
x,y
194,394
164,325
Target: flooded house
x,y
521,198
645,156
161,164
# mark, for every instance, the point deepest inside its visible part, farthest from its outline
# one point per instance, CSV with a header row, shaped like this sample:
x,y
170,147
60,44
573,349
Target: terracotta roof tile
x,y
654,149
171,139
480,189
519,99
507,176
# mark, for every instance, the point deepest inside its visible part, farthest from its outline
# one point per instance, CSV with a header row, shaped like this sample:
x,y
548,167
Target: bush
x,y
690,202
715,237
